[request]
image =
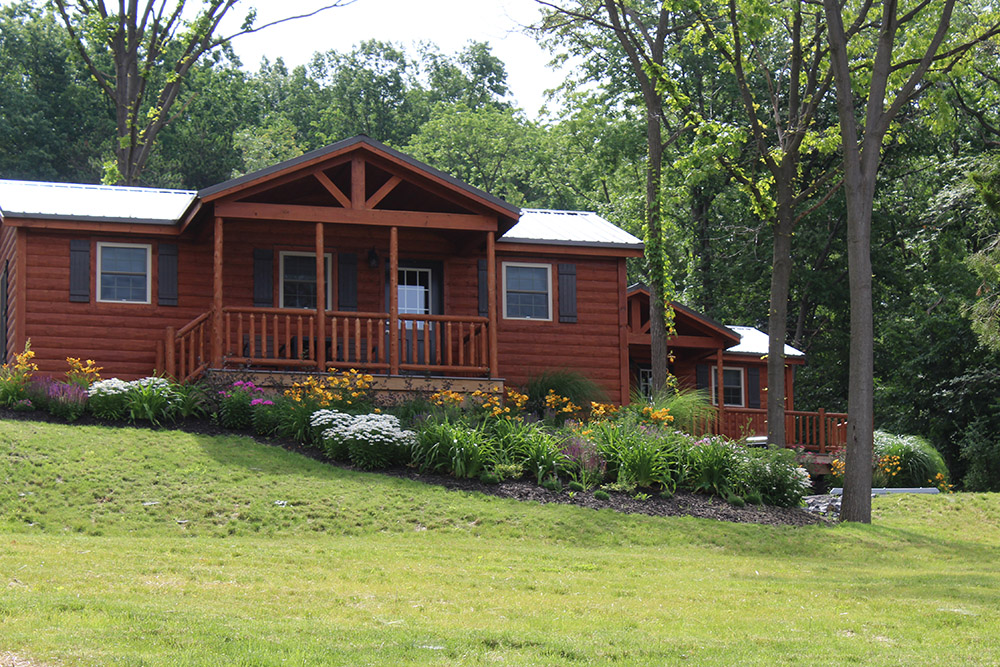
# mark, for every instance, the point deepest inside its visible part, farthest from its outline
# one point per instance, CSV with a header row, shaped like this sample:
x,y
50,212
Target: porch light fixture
x,y
372,259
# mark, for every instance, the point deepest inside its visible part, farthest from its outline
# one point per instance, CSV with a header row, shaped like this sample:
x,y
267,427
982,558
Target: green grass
x,y
363,569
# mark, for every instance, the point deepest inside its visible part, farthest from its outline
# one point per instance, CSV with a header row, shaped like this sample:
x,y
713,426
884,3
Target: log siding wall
x,y
8,261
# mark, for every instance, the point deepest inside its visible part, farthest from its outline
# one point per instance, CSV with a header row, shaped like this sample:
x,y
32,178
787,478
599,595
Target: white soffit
x,y
31,199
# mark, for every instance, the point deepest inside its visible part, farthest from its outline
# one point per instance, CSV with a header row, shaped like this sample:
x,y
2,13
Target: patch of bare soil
x,y
681,504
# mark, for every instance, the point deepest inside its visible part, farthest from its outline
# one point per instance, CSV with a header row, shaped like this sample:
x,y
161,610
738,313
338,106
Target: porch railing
x,y
288,338
818,432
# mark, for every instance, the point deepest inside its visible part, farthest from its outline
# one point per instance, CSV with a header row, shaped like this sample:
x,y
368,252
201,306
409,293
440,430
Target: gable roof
x,y
99,203
320,155
568,228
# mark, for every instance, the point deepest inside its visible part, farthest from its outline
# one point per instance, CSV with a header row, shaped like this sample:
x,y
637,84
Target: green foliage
x,y
151,399
266,420
573,385
638,455
235,411
295,421
769,476
710,464
980,447
906,461
687,406
376,441
735,500
453,447
601,494
537,451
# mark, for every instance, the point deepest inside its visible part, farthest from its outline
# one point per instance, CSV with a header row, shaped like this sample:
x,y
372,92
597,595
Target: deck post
x,y
491,300
822,431
394,301
216,297
719,389
170,361
320,300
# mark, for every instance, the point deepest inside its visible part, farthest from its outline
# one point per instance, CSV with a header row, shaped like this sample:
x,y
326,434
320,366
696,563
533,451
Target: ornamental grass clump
x,y
376,441
906,461
710,465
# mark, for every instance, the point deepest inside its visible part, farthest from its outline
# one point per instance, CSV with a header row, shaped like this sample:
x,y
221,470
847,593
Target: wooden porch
x,y
819,433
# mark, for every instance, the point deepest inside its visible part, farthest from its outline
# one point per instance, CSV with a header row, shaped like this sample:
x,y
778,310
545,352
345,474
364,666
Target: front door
x,y
418,293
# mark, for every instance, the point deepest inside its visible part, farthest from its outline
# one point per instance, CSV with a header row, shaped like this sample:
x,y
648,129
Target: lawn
x,y
137,547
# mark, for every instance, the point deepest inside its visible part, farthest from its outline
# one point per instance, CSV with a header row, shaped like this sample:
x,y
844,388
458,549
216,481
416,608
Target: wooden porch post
x,y
394,301
719,387
216,298
491,300
789,393
320,299
171,353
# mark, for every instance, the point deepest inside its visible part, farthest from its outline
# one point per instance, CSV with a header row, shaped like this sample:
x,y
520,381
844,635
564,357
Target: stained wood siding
x,y
120,337
591,345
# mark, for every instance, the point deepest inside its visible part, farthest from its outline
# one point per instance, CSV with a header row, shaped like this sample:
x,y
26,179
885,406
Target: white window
x,y
645,381
732,387
123,274
414,293
527,291
298,280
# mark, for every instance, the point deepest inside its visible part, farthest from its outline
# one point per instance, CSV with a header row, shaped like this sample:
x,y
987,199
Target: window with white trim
x,y
297,273
527,291
123,272
732,387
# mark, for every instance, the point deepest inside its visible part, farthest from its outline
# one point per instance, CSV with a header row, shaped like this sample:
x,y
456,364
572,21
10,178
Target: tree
x,y
52,122
631,37
898,57
140,55
777,58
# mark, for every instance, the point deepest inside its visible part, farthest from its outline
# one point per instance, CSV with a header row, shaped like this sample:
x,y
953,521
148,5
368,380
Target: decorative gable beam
x,y
358,183
332,188
346,216
383,191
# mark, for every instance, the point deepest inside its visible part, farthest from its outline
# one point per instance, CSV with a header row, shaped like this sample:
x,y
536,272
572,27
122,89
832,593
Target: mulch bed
x,y
681,504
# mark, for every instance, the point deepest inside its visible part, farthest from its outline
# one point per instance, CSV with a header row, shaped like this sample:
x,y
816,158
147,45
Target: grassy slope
x,y
363,569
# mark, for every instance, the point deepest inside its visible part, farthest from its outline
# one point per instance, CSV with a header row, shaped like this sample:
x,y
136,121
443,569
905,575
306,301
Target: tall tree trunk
x,y
655,251
857,501
777,320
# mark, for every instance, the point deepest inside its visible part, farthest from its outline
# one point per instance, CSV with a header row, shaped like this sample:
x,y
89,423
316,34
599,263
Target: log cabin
x,y
351,256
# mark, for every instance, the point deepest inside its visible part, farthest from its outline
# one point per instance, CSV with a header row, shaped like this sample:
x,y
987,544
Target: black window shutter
x,y
484,299
753,387
567,292
701,372
166,291
263,278
79,271
347,281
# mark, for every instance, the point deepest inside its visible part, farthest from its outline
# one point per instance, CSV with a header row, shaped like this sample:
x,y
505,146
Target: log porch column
x,y
719,388
491,300
394,301
216,298
320,299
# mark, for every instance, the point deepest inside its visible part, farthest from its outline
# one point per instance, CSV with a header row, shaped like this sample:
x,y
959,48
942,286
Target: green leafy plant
x,y
376,441
571,385
905,461
267,415
14,377
710,462
601,494
235,411
151,399
334,429
552,483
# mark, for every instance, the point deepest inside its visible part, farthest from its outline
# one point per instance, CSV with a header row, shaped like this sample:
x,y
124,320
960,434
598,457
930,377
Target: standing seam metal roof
x,y
568,228
32,199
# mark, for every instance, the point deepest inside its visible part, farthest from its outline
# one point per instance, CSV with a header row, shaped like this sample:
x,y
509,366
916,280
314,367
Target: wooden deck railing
x,y
818,432
187,349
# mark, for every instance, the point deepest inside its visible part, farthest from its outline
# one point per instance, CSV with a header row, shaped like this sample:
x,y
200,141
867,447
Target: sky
x,y
450,24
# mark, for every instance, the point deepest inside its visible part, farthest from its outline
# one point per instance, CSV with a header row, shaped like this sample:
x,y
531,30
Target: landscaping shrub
x,y
769,475
710,463
637,455
109,399
906,461
583,462
455,448
235,409
191,400
687,407
14,377
376,441
151,399
67,401
333,427
267,412
537,451
601,494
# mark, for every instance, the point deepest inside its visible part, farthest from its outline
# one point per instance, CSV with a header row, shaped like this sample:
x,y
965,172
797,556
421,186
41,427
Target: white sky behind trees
x,y
450,24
